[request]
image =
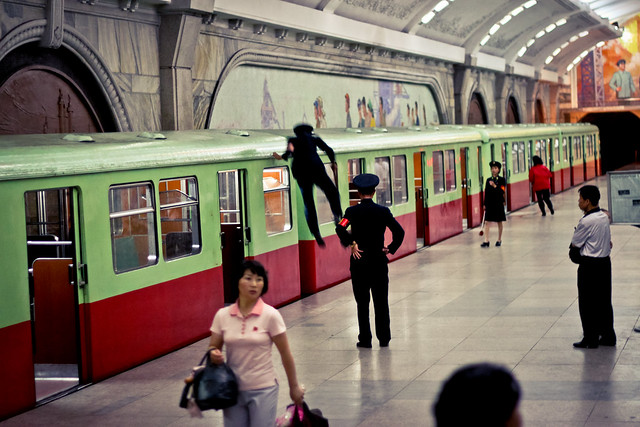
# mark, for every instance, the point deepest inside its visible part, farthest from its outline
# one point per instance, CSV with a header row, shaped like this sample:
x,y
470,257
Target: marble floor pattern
x,y
451,304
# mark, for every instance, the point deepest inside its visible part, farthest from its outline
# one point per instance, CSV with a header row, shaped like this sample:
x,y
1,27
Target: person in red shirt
x,y
540,176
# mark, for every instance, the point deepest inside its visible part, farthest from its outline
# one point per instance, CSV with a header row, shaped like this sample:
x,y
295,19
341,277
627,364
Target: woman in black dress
x,y
494,202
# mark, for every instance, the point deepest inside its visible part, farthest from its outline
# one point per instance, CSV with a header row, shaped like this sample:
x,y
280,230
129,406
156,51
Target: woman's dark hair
x,y
256,268
480,394
537,160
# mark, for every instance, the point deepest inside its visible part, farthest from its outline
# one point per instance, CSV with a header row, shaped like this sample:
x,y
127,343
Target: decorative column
x,y
179,32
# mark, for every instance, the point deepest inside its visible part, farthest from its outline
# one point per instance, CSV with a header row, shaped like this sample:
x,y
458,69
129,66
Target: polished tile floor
x,y
451,304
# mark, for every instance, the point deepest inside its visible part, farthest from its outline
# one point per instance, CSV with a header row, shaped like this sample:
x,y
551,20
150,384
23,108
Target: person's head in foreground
x,y
481,394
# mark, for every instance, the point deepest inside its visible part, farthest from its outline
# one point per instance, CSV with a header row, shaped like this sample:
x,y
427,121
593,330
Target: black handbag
x,y
214,386
574,254
305,417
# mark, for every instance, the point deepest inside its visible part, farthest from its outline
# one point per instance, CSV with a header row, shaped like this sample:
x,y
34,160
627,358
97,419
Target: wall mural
x,y
265,98
610,75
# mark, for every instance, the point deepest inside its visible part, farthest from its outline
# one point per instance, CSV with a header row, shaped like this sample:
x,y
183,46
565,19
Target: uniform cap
x,y
366,181
302,128
494,163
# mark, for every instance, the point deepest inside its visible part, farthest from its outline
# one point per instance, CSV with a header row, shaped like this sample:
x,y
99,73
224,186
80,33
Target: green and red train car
x,y
119,247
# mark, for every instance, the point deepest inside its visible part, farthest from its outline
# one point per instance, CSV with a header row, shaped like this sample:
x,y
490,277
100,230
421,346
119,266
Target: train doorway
x,y
233,212
464,160
419,190
51,230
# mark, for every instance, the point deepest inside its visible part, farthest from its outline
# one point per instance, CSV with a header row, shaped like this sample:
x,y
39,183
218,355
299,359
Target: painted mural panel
x,y
266,98
614,79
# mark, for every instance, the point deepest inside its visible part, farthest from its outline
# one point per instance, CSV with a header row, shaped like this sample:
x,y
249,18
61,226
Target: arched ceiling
x,y
533,38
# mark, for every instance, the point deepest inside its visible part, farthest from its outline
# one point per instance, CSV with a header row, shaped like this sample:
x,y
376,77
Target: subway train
x,y
119,247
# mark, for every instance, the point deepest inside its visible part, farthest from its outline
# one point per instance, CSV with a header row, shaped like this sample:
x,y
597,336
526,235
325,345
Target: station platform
x,y
451,304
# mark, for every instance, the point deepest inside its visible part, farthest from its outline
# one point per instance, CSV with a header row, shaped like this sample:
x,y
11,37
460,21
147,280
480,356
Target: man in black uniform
x,y
308,170
368,261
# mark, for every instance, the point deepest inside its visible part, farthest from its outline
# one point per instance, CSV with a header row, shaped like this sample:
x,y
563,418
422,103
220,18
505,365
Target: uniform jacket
x,y
494,196
539,176
369,222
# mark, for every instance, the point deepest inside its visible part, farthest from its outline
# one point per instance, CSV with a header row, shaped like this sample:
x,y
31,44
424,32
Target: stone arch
x,y
76,47
512,111
477,111
539,111
327,66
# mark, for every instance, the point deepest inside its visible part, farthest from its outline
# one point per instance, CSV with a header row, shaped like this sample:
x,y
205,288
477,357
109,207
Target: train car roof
x,y
36,156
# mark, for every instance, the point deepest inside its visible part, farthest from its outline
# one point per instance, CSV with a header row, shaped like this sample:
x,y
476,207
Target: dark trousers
x,y
543,197
322,181
370,278
594,299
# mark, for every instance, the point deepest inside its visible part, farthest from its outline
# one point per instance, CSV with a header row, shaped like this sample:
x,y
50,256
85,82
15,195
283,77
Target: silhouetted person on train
x,y
540,178
481,394
308,170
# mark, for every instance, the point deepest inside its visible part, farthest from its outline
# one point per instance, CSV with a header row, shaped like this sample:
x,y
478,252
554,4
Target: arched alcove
x,y
512,115
477,111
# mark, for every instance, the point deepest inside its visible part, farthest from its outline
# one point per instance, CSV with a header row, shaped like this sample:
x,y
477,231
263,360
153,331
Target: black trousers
x,y
322,180
594,299
543,197
370,278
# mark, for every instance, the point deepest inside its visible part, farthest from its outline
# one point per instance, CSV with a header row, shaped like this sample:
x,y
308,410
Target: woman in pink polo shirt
x,y
248,328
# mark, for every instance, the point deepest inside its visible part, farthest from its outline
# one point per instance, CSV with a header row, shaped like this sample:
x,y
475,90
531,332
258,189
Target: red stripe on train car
x,y
518,195
445,220
18,391
322,267
132,328
284,275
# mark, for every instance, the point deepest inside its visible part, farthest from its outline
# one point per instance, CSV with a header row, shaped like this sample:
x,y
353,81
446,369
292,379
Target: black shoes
x,y
607,342
545,214
485,245
551,210
499,243
585,344
384,344
363,344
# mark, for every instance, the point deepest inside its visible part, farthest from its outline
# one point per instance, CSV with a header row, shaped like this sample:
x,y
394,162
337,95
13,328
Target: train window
x,y
383,191
514,157
565,154
133,234
400,190
179,218
450,170
324,208
577,147
354,167
556,150
277,205
438,172
229,197
522,166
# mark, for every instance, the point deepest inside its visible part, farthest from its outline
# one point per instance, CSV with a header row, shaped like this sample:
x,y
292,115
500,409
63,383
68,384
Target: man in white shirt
x,y
592,236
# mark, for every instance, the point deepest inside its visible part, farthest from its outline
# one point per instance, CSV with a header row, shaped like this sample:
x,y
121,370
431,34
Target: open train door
x,y
466,205
419,189
53,254
233,225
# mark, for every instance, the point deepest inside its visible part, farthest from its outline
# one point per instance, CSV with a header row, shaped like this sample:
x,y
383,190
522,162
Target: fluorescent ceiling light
x,y
517,10
556,52
548,60
561,22
529,4
531,42
522,51
441,5
485,40
540,34
550,28
506,19
428,17
493,29
584,33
